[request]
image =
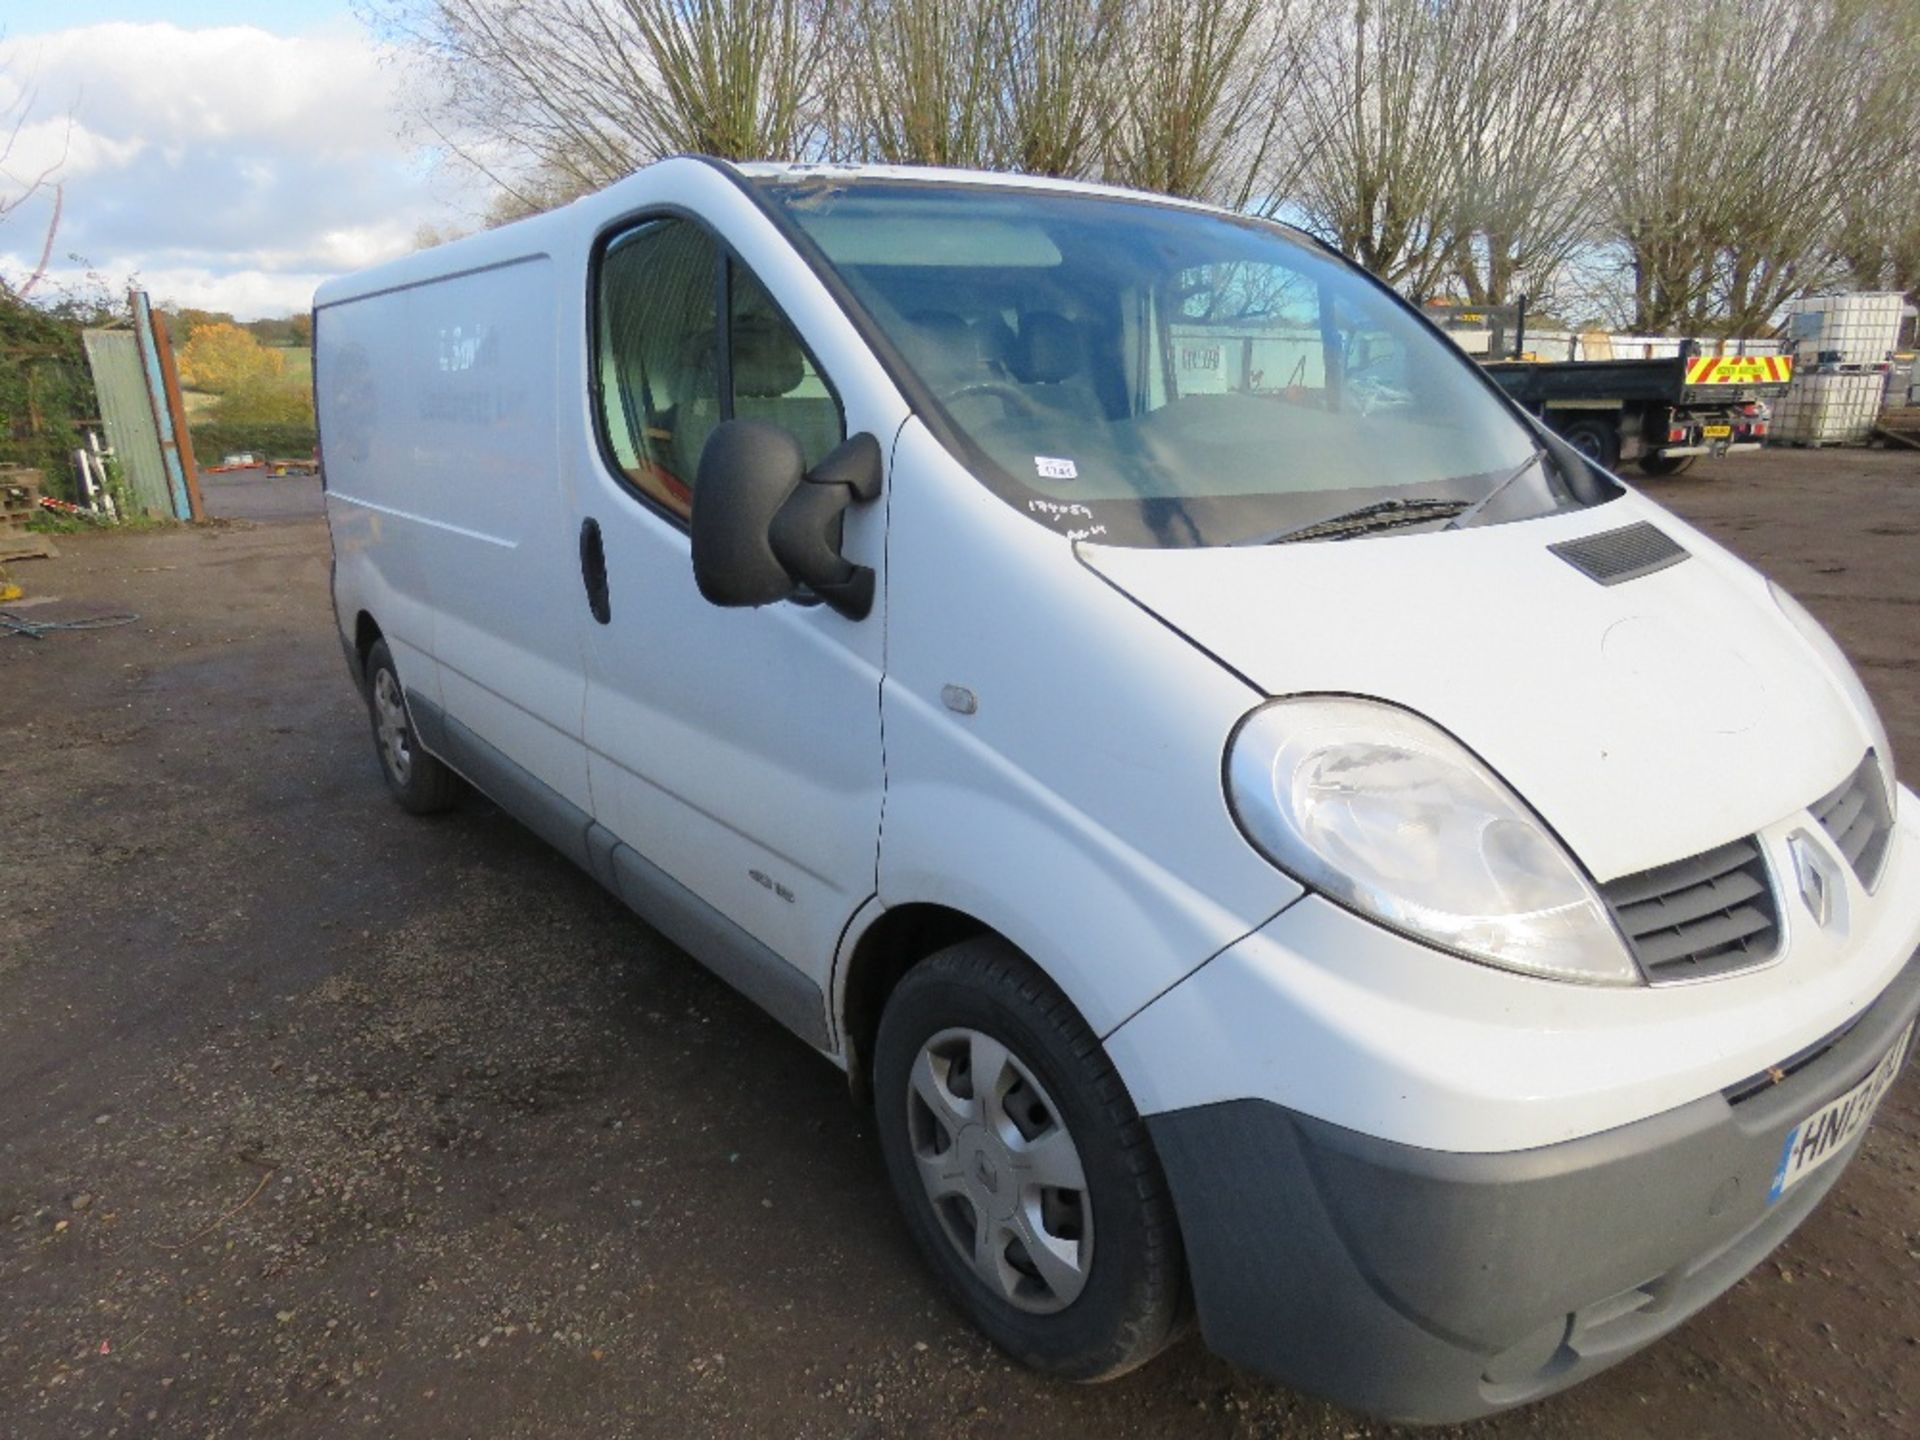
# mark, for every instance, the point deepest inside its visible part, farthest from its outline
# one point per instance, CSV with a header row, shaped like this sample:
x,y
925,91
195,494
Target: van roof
x,y
525,237
797,170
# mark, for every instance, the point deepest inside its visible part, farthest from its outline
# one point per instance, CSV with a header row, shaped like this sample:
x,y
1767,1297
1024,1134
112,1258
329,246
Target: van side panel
x,y
454,500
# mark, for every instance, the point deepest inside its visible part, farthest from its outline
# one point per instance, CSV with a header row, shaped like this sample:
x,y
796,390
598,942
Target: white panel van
x,y
1275,833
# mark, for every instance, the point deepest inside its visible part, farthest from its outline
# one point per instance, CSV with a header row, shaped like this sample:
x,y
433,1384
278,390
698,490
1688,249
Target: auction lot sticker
x,y
1825,1133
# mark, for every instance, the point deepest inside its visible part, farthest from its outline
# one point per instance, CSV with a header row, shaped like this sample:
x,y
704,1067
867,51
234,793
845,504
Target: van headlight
x,y
1842,670
1389,815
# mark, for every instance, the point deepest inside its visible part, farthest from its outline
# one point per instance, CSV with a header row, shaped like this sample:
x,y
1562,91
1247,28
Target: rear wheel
x,y
1026,1175
1596,438
1666,464
416,779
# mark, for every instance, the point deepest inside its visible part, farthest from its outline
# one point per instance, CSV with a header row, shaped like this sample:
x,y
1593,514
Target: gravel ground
x,y
316,1119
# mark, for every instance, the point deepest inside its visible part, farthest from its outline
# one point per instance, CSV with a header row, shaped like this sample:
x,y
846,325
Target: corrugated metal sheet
x,y
120,380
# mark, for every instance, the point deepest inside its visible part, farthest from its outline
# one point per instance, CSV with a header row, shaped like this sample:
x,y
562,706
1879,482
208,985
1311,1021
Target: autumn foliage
x,y
220,358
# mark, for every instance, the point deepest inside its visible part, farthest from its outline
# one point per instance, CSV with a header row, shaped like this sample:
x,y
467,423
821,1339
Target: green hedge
x,y
215,440
45,391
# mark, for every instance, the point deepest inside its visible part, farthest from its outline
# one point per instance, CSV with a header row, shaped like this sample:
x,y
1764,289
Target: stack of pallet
x,y
19,503
1899,427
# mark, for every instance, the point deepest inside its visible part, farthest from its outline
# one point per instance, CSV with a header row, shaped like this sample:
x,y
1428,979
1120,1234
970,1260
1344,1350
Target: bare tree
x,y
1878,238
585,91
1204,83
1724,156
733,77
18,187
1378,100
1027,85
919,82
1530,116
1735,162
1878,241
1058,84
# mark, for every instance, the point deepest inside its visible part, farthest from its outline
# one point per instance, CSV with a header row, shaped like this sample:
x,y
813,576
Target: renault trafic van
x,y
1277,835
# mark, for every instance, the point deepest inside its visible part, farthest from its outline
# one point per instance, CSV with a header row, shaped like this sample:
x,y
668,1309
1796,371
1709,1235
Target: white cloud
x,y
247,293
236,166
66,149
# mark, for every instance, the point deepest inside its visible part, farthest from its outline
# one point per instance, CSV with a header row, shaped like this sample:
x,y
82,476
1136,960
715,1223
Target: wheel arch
x,y
366,634
893,942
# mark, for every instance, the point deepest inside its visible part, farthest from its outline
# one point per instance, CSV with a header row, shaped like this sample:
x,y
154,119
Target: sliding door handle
x,y
593,570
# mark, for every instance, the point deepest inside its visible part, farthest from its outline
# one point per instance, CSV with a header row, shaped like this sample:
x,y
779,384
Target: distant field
x,y
298,368
299,360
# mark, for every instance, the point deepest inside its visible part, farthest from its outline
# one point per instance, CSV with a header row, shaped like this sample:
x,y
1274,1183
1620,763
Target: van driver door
x,y
734,754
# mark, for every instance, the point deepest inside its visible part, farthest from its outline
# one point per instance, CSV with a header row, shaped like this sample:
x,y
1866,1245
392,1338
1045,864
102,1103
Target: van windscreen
x,y
1151,375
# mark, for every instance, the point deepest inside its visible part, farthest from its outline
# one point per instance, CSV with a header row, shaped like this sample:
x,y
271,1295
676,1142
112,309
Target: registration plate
x,y
1716,432
1825,1133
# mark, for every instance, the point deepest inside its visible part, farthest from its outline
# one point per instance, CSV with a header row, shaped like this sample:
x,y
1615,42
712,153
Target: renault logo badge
x,y
1814,871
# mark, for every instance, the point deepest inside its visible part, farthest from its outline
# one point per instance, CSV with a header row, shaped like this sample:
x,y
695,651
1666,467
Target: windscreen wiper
x,y
1381,515
1472,511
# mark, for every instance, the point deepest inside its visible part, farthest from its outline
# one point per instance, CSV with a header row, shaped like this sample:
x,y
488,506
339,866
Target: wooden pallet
x,y
27,546
1899,426
19,497
19,503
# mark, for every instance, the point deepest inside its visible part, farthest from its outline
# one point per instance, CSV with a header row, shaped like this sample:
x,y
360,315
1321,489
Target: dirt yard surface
x,y
316,1119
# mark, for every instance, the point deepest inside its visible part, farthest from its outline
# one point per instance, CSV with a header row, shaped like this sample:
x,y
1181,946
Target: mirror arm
x,y
807,530
855,463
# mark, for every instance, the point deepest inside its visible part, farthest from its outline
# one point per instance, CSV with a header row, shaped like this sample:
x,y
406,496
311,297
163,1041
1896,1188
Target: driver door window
x,y
660,364
774,378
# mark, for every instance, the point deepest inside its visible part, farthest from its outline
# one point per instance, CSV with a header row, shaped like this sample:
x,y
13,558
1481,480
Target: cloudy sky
x,y
230,154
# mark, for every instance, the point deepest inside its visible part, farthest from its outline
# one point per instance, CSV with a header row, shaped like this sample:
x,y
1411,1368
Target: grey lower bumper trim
x,y
1432,1287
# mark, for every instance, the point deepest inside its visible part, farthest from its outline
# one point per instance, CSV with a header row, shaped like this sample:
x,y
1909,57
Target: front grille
x,y
1859,818
1708,915
1614,557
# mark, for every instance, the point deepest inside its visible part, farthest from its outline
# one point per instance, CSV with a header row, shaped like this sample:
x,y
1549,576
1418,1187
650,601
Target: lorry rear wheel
x,y
421,784
1026,1175
1666,464
1598,440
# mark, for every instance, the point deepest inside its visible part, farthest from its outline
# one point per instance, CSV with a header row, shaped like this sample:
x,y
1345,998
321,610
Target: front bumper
x,y
1433,1286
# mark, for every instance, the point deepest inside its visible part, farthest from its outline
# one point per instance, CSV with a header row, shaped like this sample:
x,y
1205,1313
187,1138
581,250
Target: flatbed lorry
x,y
1662,413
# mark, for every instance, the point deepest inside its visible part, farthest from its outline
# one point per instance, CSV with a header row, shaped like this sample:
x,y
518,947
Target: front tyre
x,y
421,784
1025,1173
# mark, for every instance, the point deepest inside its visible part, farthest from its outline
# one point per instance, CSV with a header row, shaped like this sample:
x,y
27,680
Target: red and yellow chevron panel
x,y
1739,370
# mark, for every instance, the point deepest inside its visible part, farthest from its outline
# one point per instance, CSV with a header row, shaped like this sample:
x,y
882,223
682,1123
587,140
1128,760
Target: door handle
x,y
593,570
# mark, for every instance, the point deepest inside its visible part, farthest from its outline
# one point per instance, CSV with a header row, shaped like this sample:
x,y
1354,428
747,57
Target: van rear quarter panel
x,y
379,569
438,406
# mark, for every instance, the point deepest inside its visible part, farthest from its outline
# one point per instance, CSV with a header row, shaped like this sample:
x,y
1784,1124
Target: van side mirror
x,y
763,525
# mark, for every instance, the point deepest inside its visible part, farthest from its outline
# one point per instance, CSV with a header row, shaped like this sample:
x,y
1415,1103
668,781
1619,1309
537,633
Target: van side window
x,y
774,379
659,370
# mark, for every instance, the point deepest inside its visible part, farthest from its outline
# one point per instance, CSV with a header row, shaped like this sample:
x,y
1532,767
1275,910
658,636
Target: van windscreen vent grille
x,y
1860,820
1709,915
1614,557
